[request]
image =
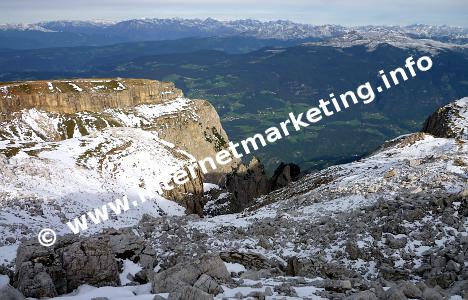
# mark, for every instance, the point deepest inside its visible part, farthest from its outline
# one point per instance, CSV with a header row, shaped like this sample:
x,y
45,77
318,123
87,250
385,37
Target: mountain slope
x,y
393,224
398,215
95,142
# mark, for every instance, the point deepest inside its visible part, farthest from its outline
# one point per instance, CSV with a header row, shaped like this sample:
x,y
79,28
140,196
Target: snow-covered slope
x,y
383,219
373,38
55,167
48,184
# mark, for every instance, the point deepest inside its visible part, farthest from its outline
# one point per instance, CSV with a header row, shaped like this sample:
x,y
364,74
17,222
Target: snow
x,y
86,292
158,110
120,87
77,88
234,267
4,280
129,267
309,292
8,252
210,186
141,162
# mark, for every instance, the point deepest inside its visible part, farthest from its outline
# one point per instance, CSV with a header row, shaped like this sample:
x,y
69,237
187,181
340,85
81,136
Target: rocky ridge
x,y
95,95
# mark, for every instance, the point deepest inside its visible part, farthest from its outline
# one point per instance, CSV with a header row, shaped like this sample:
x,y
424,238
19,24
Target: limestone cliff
x,y
124,132
71,96
72,108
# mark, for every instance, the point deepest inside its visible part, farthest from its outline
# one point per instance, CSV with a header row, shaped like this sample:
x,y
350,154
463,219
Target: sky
x,y
344,12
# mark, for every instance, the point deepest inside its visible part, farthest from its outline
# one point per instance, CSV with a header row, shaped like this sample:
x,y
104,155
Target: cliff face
x,y
112,136
71,96
57,110
449,121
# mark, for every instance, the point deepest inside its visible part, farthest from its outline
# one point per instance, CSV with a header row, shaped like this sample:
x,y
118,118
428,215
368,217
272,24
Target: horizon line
x,y
113,22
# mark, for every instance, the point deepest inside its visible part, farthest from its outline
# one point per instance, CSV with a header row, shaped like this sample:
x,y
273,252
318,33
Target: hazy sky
x,y
346,12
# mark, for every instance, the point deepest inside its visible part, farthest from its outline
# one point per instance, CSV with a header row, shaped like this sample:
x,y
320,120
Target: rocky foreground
x,y
390,226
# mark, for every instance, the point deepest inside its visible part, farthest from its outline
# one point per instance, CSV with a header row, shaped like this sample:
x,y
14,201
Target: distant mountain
x,y
98,33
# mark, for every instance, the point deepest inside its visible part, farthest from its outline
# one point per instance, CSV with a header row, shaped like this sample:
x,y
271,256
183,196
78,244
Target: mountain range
x,y
98,33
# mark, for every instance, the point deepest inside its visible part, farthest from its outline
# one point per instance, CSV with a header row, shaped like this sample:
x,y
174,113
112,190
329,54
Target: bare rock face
x,y
48,272
190,293
71,96
449,121
284,175
247,183
200,133
187,274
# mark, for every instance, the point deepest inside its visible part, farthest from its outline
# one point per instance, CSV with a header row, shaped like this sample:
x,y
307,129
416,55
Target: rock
x,y
268,291
186,274
67,100
47,272
249,260
189,293
390,174
142,277
285,289
390,273
35,282
256,275
284,175
396,243
335,285
443,122
431,294
410,289
247,183
453,266
460,288
394,293
365,295
90,262
257,295
414,162
264,243
208,285
352,249
317,268
7,292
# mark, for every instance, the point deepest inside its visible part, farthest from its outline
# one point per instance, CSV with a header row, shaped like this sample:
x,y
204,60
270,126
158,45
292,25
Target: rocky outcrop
x,y
198,131
73,261
204,273
247,183
284,175
45,272
94,95
449,121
